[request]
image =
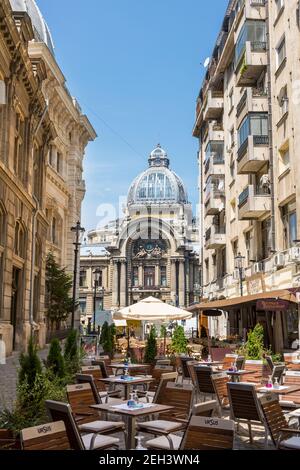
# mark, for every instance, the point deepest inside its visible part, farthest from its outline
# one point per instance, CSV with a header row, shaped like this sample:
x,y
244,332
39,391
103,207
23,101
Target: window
x,y
82,306
253,31
215,150
280,53
82,278
253,124
248,246
231,137
284,160
266,237
135,276
19,146
19,247
37,172
149,276
289,221
206,262
163,276
214,264
53,230
38,252
231,99
2,225
232,170
232,210
235,248
59,163
283,101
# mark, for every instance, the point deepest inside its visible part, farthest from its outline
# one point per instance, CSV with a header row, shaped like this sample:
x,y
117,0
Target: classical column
x,y
173,280
123,284
181,283
115,284
141,275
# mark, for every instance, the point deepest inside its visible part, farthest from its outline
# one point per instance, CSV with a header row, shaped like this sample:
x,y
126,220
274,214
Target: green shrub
x,y
30,364
179,341
55,361
72,353
151,347
107,338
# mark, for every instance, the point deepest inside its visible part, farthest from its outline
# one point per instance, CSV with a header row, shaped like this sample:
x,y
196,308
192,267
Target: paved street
x,y
8,379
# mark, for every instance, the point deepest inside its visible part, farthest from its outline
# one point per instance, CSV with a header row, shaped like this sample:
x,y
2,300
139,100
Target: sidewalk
x,y
8,378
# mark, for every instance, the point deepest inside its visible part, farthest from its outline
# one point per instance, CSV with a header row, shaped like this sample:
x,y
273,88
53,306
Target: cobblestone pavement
x,y
8,379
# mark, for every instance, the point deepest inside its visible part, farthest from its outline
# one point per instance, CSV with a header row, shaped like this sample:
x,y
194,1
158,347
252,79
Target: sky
x,y
136,67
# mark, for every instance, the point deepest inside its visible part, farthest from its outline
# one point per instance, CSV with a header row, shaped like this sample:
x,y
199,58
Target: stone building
x,y
43,135
152,250
248,126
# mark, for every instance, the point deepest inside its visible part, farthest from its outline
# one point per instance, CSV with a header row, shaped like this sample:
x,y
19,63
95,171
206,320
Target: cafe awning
x,y
225,304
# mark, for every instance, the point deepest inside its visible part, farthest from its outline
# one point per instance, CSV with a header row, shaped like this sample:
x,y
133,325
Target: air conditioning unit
x,y
294,254
279,260
257,268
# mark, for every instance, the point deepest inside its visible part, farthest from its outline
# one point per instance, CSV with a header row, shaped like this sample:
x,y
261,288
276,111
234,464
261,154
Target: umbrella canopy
x,y
152,309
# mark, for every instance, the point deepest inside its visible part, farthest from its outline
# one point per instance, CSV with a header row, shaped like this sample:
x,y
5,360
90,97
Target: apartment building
x,y
248,126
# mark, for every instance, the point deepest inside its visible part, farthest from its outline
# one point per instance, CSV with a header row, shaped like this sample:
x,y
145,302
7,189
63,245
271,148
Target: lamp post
x,y
78,230
239,265
96,273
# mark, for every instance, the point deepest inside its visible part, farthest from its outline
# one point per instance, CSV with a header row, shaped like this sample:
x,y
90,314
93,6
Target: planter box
x,y
8,441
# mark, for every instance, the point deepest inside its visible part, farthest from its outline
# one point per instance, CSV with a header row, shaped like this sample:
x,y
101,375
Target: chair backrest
x,y
157,372
270,362
228,360
81,397
204,433
88,378
292,377
240,362
290,357
204,382
96,372
165,378
50,436
243,402
207,408
185,370
191,368
180,397
277,373
219,382
257,368
59,411
273,415
107,363
163,362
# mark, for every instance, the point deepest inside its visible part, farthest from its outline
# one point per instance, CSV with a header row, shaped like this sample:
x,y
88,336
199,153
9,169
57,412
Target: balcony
x,y
253,154
251,63
214,132
254,203
214,166
215,237
214,105
253,100
214,202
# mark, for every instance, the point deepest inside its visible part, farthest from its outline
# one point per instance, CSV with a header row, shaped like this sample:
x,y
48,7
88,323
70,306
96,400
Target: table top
x,y
133,380
137,412
211,363
128,366
282,390
239,372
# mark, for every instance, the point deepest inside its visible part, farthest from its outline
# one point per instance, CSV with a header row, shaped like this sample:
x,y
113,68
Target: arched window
x,y
53,231
38,252
19,247
2,225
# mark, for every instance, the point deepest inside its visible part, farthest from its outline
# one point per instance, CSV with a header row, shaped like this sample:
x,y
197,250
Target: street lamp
x,y
96,273
78,230
239,265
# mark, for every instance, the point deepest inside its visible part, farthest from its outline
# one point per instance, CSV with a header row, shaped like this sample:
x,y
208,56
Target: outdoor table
x,y
122,366
281,390
131,416
235,375
211,363
127,383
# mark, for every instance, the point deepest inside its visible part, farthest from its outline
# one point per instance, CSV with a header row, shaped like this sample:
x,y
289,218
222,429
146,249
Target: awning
x,y
225,304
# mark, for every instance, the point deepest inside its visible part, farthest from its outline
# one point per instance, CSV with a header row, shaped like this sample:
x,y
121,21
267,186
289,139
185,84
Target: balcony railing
x,y
258,46
243,197
241,104
258,191
257,140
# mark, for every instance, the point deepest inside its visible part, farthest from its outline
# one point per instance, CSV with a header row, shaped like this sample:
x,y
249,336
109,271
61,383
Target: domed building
x,y
153,250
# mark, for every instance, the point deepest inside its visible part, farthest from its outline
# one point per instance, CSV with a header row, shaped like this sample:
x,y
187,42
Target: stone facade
x,y
37,117
247,123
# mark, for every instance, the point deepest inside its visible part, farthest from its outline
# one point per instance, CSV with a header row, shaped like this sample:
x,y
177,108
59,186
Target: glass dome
x,y
158,183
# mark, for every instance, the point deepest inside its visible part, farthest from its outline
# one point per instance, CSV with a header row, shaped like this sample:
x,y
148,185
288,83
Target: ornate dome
x,y
158,184
39,25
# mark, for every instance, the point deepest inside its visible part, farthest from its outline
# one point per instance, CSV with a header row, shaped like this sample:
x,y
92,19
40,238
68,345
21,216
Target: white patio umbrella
x,y
152,309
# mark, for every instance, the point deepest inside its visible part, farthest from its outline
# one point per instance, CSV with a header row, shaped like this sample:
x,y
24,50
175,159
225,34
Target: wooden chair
x,y
277,373
163,362
244,406
208,434
219,382
180,397
289,358
184,367
228,360
81,397
191,368
88,378
204,383
292,400
96,372
257,367
107,372
50,436
59,411
270,362
283,436
240,363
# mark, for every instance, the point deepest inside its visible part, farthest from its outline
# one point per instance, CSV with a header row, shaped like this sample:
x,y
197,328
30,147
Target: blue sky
x,y
135,68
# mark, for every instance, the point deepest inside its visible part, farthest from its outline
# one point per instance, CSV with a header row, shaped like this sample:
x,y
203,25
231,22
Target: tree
x,y
179,341
107,337
72,352
55,361
254,346
30,363
58,286
151,347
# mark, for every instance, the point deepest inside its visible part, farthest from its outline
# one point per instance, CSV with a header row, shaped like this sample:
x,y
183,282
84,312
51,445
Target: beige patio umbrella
x,y
153,310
